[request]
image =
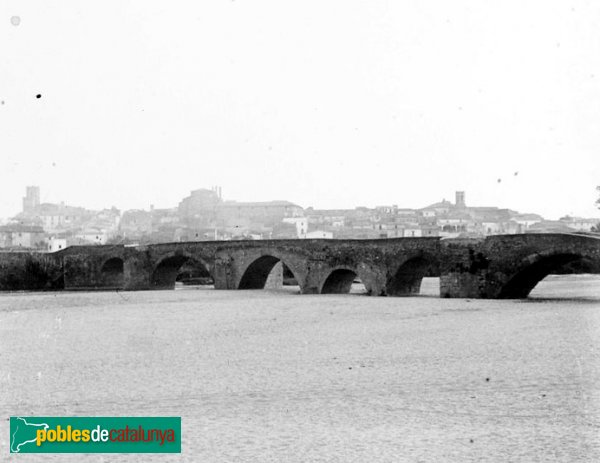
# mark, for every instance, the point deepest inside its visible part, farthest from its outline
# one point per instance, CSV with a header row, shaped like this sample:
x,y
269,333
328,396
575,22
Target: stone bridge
x,y
502,266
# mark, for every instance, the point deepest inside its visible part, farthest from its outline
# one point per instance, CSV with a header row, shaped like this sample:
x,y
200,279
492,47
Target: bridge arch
x,y
532,270
257,273
112,274
407,278
166,271
338,280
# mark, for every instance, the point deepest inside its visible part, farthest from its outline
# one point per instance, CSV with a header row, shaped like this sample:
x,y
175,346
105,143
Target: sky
x,y
330,104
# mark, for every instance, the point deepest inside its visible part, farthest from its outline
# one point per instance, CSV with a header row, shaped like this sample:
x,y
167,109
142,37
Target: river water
x,y
276,376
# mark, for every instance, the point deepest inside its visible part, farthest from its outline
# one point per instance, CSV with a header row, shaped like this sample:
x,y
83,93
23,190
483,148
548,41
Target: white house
x,y
56,244
316,234
579,223
91,236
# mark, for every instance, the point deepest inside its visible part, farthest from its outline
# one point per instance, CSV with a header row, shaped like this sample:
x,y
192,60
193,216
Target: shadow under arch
x,y
257,273
112,273
339,281
168,269
532,270
408,277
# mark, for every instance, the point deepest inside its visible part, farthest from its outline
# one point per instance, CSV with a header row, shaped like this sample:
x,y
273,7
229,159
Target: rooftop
x,y
18,228
276,203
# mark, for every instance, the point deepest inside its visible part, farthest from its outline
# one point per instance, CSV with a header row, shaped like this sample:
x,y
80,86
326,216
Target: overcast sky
x,y
324,103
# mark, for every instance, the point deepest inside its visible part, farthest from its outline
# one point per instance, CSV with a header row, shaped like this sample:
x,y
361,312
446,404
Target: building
x,y
22,236
454,223
91,236
135,223
77,224
579,223
56,244
319,234
54,218
460,200
412,231
232,213
433,210
31,199
301,224
199,209
549,226
524,221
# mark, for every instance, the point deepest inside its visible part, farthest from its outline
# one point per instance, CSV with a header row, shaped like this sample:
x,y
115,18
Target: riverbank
x,y
276,376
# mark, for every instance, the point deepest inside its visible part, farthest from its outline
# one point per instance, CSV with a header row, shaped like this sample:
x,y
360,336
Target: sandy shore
x,y
275,376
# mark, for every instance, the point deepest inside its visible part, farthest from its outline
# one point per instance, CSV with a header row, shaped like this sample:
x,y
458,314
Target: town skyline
x,y
147,207
205,215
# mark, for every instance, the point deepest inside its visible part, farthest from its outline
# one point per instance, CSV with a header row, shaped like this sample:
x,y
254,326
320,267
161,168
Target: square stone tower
x,y
31,199
460,199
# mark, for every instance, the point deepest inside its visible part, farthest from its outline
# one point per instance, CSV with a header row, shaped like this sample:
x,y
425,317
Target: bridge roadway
x,y
501,266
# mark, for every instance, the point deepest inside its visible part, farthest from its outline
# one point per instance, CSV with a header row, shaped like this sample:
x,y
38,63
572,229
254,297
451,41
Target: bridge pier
x,y
462,285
